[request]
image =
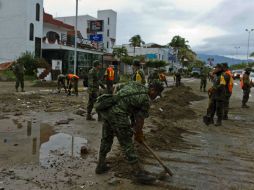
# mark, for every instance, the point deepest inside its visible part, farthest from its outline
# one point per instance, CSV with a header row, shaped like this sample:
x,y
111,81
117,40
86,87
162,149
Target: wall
x,y
14,29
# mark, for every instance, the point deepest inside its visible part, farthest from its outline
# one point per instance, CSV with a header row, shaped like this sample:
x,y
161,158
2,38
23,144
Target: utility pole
x,y
248,47
76,34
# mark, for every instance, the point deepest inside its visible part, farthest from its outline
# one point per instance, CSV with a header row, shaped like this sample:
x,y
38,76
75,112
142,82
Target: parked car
x,y
252,77
237,73
195,72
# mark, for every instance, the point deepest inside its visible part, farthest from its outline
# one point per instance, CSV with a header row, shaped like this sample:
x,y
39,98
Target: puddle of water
x,y
22,142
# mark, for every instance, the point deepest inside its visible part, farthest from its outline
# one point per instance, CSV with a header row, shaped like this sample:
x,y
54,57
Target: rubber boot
x,y
17,90
22,90
245,106
89,117
142,176
225,117
218,122
102,166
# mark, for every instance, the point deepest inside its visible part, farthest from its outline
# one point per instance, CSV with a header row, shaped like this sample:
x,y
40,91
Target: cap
x,y
248,69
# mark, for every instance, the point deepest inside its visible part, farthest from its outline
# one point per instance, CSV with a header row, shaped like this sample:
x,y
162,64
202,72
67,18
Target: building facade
x,y
101,29
25,27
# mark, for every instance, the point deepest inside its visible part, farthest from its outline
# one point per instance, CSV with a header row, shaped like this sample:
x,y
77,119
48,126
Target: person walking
x,y
133,99
19,71
94,84
246,85
203,79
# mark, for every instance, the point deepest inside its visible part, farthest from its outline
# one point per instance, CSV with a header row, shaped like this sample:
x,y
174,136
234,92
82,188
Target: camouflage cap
x,y
248,69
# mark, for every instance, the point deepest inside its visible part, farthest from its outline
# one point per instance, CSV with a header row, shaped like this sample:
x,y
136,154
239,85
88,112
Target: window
x,y
38,12
107,45
108,32
108,20
31,32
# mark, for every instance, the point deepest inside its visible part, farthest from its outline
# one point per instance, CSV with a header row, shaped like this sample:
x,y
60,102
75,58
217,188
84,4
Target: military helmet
x,y
96,63
136,62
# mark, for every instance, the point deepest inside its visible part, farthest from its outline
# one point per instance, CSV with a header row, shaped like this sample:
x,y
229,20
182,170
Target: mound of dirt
x,y
165,134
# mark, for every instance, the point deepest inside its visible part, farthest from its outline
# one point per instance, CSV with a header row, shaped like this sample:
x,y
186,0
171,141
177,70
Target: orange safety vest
x,y
162,77
110,74
71,76
231,81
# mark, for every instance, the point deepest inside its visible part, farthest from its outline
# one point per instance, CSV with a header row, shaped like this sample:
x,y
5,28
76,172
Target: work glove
x,y
139,136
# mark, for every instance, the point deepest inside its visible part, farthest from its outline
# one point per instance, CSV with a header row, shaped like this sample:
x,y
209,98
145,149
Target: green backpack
x,y
104,102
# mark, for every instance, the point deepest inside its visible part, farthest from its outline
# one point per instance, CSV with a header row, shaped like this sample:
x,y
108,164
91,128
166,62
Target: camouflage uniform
x,y
217,98
203,82
19,73
117,119
139,76
246,89
94,84
61,82
178,79
153,76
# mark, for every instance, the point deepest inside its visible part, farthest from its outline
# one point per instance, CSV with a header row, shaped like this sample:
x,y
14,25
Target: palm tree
x,y
183,50
136,41
120,52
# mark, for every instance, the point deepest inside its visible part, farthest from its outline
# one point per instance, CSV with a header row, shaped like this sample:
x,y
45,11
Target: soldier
x,y
94,84
138,74
178,78
229,89
246,85
162,77
154,75
72,82
132,99
110,77
61,83
216,97
19,73
203,79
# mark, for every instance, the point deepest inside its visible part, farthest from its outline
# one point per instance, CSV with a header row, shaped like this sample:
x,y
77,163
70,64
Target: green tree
x,y
29,61
156,63
120,52
136,41
184,52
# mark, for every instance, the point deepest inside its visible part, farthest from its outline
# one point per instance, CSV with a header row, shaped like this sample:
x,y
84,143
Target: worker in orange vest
x,y
163,78
72,82
229,88
110,77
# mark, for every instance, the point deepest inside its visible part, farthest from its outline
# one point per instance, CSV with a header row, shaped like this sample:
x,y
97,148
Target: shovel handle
x,y
157,158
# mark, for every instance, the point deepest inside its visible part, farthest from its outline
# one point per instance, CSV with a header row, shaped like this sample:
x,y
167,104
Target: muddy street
x,y
42,134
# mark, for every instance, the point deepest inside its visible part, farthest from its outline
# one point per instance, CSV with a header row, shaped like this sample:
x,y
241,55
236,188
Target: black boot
x,y
142,176
89,117
225,117
102,166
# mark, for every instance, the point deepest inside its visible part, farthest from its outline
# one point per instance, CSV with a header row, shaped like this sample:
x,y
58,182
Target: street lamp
x,y
236,50
76,34
249,31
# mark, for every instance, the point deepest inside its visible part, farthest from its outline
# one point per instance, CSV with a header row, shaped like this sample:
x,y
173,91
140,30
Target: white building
x,y
104,24
25,27
21,28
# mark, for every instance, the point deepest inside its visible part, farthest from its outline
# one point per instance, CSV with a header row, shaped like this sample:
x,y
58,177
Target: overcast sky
x,y
210,26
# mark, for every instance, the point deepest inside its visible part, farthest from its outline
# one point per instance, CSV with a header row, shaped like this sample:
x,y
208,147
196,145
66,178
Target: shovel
x,y
167,170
